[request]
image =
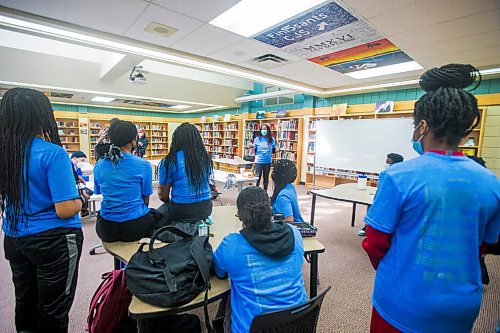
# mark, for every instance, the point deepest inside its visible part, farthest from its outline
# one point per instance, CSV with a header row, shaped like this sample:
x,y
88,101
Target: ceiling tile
x,y
428,13
487,57
451,30
113,16
369,9
204,10
154,13
55,9
247,49
207,39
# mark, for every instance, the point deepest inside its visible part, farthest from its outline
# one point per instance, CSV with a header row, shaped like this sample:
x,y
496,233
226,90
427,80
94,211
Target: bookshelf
x,y
95,126
222,139
252,128
289,143
158,140
311,146
67,129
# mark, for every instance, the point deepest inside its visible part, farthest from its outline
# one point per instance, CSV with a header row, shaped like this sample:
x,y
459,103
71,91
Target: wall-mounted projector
x,y
137,75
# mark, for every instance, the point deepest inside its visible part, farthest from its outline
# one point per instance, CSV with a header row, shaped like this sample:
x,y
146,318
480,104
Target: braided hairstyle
x,y
120,134
268,135
24,114
284,172
199,166
254,209
450,111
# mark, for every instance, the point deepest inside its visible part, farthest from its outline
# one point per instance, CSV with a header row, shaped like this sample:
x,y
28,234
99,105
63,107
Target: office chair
x,y
302,318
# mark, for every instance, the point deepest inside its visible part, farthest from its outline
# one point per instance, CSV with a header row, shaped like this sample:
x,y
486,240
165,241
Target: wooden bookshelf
x,y
67,127
158,140
289,143
251,131
95,127
311,147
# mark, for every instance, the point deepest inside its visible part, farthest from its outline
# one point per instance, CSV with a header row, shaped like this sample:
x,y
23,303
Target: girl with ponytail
x,y
431,214
284,199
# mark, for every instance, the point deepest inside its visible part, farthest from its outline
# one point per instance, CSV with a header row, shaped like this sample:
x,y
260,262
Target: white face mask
x,y
387,166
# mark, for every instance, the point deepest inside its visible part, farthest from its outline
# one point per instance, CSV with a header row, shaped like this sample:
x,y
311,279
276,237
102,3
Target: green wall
x,y
301,101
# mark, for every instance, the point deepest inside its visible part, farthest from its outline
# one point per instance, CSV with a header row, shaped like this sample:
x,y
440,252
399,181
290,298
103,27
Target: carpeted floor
x,y
344,266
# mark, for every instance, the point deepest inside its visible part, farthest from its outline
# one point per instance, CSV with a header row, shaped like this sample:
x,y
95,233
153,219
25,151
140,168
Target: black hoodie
x,y
274,241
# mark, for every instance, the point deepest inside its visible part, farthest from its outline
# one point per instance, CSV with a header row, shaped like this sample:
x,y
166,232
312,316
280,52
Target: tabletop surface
x,y
236,161
224,222
221,176
348,192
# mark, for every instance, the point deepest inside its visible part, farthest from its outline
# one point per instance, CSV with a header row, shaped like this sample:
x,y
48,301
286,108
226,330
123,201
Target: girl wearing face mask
x,y
431,215
125,182
142,143
264,146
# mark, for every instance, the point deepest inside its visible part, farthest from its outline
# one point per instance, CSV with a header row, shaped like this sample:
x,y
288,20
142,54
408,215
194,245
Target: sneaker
x,y
362,232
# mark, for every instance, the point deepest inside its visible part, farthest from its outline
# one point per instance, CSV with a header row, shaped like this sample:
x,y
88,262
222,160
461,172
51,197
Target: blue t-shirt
x,y
286,203
183,192
263,150
439,209
123,187
51,180
259,283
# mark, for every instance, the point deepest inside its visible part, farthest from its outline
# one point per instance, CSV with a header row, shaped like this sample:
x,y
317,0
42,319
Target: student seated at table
x,y
284,199
264,262
125,182
184,176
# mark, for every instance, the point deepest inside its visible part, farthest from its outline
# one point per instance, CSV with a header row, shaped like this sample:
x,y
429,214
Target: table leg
x,y
239,185
313,208
116,263
142,326
353,218
313,283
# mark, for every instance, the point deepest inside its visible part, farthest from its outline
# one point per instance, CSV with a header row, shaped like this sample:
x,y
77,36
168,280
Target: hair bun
x,y
449,76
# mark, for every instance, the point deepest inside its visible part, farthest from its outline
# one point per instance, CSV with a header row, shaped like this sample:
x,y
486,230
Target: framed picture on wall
x,y
384,106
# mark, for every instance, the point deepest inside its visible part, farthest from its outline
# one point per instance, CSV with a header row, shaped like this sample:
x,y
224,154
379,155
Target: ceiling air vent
x,y
268,61
160,29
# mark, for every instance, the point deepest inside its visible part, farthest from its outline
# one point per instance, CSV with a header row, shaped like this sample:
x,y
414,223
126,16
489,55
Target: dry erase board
x,y
362,144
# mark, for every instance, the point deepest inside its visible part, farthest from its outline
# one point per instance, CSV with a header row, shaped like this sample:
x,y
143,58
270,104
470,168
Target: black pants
x,y
44,271
196,210
263,169
126,231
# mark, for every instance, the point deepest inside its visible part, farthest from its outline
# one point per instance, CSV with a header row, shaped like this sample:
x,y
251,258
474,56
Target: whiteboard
x,y
362,144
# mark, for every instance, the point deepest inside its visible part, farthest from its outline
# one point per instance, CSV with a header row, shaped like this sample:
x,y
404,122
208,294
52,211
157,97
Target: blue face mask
x,y
263,132
417,145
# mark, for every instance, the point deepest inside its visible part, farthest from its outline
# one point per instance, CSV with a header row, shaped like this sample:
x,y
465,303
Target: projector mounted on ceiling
x,y
137,75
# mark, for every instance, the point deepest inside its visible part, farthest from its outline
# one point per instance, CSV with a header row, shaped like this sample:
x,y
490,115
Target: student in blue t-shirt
x,y
125,182
263,261
264,146
184,176
431,215
39,205
284,198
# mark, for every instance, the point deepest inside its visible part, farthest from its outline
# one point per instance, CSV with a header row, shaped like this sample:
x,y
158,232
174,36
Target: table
x,y
225,222
156,166
346,193
239,162
240,180
93,200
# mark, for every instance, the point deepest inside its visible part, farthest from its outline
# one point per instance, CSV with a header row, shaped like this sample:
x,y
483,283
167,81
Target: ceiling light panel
x,y
102,99
385,70
249,17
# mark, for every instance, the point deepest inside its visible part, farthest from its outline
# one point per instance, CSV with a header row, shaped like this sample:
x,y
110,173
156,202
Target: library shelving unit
x,y
222,139
158,140
289,143
68,133
311,146
146,126
252,128
472,145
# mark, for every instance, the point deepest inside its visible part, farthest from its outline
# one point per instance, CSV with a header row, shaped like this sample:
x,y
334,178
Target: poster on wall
x,y
339,109
384,106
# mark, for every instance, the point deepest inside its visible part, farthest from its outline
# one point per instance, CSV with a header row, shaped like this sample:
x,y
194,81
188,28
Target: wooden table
x,y
240,180
346,193
224,222
237,161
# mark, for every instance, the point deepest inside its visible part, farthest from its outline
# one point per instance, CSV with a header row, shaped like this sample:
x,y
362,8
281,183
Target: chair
x,y
298,319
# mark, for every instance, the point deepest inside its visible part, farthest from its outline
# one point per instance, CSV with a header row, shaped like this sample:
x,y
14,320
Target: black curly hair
x,y
254,208
24,114
120,133
284,172
199,166
450,111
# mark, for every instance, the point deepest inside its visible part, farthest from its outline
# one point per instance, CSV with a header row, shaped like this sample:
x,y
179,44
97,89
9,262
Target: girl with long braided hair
x,y
263,261
284,199
125,182
430,216
185,174
39,203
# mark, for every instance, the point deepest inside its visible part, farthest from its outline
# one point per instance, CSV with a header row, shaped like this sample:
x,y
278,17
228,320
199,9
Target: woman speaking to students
x,y
430,216
39,203
264,146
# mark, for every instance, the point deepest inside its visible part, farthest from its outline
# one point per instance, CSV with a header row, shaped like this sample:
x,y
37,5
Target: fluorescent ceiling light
x,y
180,107
386,70
374,86
249,17
102,99
490,71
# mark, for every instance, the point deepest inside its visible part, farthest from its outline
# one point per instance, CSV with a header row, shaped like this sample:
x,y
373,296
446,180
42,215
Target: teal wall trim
x,y
301,101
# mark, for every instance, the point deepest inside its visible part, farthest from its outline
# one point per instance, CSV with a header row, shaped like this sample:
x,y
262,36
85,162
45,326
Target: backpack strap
x,y
198,254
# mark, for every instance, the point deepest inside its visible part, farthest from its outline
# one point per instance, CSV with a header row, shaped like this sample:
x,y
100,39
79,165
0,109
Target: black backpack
x,y
175,274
